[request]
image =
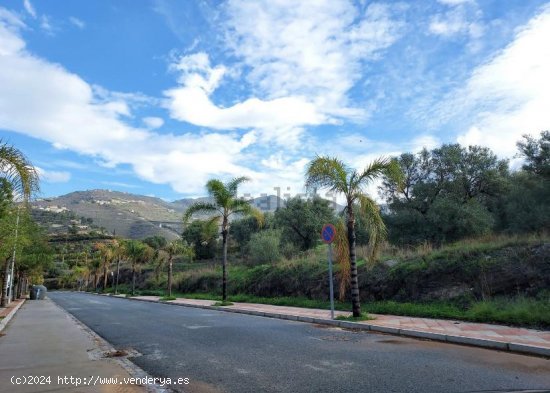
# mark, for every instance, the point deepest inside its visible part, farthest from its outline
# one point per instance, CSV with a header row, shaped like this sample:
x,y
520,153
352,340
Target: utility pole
x,y
13,256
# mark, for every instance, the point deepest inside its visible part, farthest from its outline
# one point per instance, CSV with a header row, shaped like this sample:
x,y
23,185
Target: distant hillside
x,y
128,215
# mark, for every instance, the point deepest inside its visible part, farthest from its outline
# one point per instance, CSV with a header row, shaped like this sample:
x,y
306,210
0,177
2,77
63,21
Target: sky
x,y
156,97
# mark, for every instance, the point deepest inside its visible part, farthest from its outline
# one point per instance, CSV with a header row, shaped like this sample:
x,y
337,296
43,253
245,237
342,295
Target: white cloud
x,y
191,102
455,2
77,22
309,49
46,24
301,59
53,176
509,95
153,122
10,42
460,20
45,101
29,8
120,184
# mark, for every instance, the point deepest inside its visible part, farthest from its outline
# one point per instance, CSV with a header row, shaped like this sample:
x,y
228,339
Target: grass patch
x,y
222,304
167,298
363,317
534,313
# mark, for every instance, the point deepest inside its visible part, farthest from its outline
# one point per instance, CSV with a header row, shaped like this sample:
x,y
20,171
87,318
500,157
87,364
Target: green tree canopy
x,y
301,220
447,193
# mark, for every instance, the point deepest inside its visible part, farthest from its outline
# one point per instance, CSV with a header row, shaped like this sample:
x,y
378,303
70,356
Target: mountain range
x,y
128,215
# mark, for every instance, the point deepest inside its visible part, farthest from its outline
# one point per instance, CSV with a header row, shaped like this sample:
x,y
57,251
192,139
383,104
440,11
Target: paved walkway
x,y
481,331
43,341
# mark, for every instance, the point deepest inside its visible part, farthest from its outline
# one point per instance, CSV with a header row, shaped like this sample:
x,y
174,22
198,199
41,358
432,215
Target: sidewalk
x,y
43,341
527,341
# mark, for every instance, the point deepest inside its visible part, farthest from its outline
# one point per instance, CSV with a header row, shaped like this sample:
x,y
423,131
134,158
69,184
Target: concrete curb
x,y
8,317
523,349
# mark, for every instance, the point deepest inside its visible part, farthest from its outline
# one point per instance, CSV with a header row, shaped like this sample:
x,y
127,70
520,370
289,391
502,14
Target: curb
x,y
134,370
523,349
8,317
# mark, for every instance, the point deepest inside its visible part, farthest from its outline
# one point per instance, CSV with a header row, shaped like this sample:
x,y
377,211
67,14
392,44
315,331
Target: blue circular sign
x,y
327,233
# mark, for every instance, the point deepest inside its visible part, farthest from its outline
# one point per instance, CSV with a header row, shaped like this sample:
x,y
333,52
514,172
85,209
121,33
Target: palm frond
x,y
395,174
374,224
327,172
341,256
234,184
244,207
376,168
217,190
199,207
18,171
210,226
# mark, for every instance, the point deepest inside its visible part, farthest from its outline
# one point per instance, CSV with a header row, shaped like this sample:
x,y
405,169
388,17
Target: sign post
x,y
327,235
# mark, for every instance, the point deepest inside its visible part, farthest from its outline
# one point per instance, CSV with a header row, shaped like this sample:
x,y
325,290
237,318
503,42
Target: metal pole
x,y
330,281
13,257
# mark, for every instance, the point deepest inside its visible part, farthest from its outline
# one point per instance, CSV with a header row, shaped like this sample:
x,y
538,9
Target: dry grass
x,y
483,243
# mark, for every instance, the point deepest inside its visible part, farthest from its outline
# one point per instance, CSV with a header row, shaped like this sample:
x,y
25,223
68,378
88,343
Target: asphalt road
x,y
230,352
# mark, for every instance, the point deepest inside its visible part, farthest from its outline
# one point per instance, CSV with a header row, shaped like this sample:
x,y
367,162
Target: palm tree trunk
x,y
133,279
4,300
355,302
224,261
117,273
105,277
170,276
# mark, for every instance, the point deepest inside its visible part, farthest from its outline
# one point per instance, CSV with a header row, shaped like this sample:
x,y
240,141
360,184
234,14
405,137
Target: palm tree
x,y
333,174
225,204
17,174
175,247
118,252
107,255
95,266
137,252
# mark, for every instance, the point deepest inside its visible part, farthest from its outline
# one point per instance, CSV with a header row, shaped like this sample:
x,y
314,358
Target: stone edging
x,y
524,349
4,321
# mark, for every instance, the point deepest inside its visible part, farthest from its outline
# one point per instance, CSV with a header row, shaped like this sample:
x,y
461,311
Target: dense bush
x,y
461,272
264,247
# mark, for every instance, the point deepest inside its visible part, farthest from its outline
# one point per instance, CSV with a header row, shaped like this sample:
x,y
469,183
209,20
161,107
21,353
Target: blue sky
x,y
156,97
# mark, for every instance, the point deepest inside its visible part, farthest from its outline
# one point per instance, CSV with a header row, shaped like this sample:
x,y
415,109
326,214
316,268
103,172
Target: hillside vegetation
x,y
465,238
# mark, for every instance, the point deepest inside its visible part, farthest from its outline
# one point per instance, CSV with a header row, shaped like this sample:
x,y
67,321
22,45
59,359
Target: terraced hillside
x,y
128,215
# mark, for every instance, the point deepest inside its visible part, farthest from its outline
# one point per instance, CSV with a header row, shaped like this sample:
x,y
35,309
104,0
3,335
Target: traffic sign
x,y
327,233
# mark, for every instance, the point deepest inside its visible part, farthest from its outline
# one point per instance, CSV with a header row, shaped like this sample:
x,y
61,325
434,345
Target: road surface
x,y
228,352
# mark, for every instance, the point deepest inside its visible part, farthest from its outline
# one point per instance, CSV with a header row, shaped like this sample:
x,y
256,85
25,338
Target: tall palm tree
x,y
118,252
17,174
334,175
106,253
172,249
137,252
225,203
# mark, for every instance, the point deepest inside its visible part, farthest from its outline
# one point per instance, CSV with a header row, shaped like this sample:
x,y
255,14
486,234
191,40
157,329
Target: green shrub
x,y
264,247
